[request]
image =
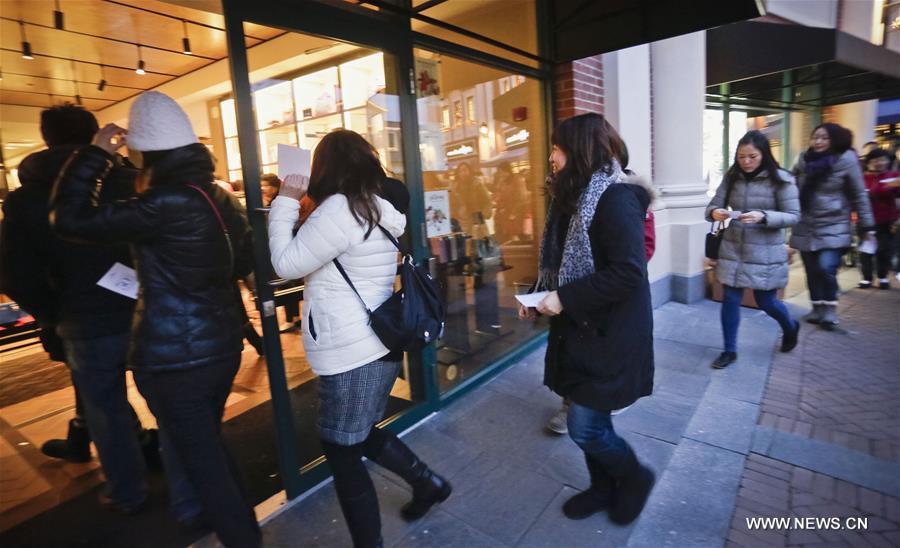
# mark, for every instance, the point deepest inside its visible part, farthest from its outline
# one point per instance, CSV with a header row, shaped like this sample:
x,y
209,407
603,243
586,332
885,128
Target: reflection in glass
x,y
361,79
274,106
229,118
483,171
317,94
270,139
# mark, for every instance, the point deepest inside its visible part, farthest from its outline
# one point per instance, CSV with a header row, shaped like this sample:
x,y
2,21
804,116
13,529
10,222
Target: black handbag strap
x,y
712,225
343,272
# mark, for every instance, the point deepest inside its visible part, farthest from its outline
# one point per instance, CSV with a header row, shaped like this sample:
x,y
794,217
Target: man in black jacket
x,y
56,281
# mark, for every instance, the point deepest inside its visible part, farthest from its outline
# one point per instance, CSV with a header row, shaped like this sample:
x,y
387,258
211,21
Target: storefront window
x,y
347,95
484,208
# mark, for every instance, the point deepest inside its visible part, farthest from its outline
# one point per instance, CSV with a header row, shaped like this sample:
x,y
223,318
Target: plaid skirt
x,y
350,403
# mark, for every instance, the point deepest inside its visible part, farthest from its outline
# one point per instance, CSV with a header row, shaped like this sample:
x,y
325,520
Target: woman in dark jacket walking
x,y
753,254
831,184
600,350
189,239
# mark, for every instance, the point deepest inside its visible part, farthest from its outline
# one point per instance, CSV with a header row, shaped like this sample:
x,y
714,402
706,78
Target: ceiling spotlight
x,y
141,65
185,42
26,47
102,84
58,17
484,129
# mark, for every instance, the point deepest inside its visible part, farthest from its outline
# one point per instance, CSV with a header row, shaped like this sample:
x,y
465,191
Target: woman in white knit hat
x,y
190,240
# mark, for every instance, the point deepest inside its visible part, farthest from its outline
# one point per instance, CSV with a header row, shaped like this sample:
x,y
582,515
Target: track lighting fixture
x,y
102,84
58,17
185,42
141,65
26,47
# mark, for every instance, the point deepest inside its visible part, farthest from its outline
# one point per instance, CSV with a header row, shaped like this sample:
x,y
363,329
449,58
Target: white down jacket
x,y
336,332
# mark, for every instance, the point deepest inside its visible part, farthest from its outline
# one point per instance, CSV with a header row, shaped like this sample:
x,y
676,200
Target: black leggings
x,y
354,487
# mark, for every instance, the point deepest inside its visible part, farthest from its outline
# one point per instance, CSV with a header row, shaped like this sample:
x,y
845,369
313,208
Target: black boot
x,y
75,448
789,338
363,519
428,487
596,498
634,481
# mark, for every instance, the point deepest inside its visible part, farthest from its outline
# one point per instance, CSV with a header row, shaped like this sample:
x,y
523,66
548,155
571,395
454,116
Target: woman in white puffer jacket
x,y
356,371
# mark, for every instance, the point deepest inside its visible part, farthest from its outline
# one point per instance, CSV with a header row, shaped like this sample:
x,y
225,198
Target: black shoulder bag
x,y
716,233
414,315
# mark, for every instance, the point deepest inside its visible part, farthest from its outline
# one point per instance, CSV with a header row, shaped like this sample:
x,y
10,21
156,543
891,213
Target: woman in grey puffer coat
x,y
753,253
830,182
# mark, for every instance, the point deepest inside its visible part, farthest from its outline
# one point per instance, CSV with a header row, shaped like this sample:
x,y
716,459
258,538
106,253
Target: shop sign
x,y
460,150
437,212
515,137
427,83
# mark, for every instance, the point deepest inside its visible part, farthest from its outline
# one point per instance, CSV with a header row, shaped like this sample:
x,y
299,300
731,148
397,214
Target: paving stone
x,y
553,530
692,502
837,462
662,416
499,498
439,529
724,422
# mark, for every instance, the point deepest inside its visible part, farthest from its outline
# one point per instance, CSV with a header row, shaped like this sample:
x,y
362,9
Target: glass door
x,y
325,70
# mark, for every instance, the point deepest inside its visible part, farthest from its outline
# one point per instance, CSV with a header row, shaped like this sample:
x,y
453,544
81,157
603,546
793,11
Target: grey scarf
x,y
576,259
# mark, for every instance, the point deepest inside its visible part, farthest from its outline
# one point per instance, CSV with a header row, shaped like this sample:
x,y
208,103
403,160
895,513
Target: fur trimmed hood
x,y
643,182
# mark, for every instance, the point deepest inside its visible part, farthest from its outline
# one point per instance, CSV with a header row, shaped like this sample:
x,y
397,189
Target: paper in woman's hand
x,y
531,300
122,280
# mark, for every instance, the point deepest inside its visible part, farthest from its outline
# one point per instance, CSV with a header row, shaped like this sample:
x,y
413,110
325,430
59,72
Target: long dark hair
x,y
820,164
760,142
345,163
588,143
841,138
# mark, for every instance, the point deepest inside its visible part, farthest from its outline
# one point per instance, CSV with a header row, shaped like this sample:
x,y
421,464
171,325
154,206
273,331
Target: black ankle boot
x,y
633,485
596,498
428,487
75,448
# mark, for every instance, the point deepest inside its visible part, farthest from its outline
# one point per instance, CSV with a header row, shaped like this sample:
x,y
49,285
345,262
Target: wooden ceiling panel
x,y
106,32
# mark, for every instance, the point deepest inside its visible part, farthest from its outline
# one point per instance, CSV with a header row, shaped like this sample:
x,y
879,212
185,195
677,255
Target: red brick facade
x,y
578,87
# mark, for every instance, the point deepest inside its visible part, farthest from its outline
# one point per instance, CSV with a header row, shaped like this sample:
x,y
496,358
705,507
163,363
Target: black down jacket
x,y
188,310
53,279
600,349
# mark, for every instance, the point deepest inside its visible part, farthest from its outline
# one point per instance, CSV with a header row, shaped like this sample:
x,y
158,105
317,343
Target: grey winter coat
x,y
754,255
826,225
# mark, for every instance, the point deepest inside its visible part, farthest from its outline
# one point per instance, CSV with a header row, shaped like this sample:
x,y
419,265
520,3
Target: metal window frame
x,y
392,35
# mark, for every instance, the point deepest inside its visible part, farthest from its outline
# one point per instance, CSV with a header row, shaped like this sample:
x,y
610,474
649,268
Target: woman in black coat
x,y
190,243
600,349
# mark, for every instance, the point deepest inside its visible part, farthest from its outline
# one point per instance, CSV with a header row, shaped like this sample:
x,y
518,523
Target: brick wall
x,y
578,87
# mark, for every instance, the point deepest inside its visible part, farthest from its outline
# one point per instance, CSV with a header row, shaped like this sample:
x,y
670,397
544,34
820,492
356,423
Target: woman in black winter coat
x,y
600,349
189,240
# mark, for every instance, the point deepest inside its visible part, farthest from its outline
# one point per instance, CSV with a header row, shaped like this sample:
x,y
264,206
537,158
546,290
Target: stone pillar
x,y
860,118
678,82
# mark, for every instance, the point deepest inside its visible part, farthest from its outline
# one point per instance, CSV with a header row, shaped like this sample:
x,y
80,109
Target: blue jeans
x,y
731,312
821,274
98,369
593,432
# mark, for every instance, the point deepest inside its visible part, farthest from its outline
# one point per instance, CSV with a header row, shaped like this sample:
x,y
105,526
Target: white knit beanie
x,y
156,122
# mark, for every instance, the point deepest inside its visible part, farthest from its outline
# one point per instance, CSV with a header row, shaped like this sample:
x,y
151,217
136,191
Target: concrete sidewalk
x,y
510,477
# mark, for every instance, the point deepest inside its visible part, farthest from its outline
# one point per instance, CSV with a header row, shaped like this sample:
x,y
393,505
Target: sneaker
x,y
884,283
558,423
724,360
865,284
